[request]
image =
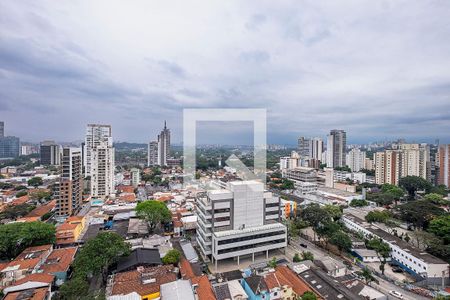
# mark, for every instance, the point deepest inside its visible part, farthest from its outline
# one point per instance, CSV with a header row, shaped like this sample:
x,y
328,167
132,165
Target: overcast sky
x,y
377,69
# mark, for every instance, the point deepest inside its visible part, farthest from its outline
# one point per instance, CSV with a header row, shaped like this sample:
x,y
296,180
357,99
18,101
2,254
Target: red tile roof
x,y
186,269
20,200
128,197
66,226
204,290
59,260
74,219
144,282
276,279
298,285
38,294
42,210
125,188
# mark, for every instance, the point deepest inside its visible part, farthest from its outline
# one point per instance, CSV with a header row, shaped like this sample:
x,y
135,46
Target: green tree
x,y
334,211
327,231
20,188
358,203
21,193
341,240
15,237
382,249
35,181
367,275
172,257
287,184
440,189
440,226
40,194
272,263
99,253
154,212
436,199
412,184
13,212
146,177
378,216
307,255
419,212
75,288
296,258
308,295
315,216
391,192
381,199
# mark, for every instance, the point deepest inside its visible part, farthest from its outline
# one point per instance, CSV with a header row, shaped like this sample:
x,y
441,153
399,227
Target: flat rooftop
x,y
422,255
337,192
220,234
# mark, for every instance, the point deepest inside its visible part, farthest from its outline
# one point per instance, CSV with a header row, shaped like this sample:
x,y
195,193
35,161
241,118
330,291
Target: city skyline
x,y
72,62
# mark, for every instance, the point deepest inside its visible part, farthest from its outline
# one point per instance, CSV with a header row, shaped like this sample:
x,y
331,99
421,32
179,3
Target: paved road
x,y
383,286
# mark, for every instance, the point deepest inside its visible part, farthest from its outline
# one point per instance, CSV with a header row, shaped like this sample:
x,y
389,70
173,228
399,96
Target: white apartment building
x,y
411,259
95,134
354,176
159,151
135,177
290,162
239,221
102,169
304,174
356,159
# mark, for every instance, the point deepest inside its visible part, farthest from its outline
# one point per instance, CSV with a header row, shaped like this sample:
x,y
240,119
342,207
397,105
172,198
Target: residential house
x,y
255,287
25,263
146,282
69,232
230,290
177,290
34,286
140,257
39,212
203,289
58,264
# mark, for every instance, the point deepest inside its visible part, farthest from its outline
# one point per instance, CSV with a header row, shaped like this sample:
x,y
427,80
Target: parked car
x,y
396,294
303,245
397,270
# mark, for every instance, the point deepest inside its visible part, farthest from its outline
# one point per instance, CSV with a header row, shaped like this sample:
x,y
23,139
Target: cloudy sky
x,y
378,69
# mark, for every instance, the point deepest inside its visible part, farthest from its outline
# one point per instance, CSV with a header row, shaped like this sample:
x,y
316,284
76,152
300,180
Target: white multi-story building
x,y
159,151
410,258
135,176
238,221
304,174
356,159
290,162
102,169
95,134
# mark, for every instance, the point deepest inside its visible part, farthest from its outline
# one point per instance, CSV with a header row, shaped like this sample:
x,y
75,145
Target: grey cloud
x,y
256,21
255,56
372,69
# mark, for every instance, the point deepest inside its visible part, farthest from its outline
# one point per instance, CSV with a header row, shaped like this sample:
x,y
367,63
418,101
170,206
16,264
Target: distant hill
x,y
129,146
